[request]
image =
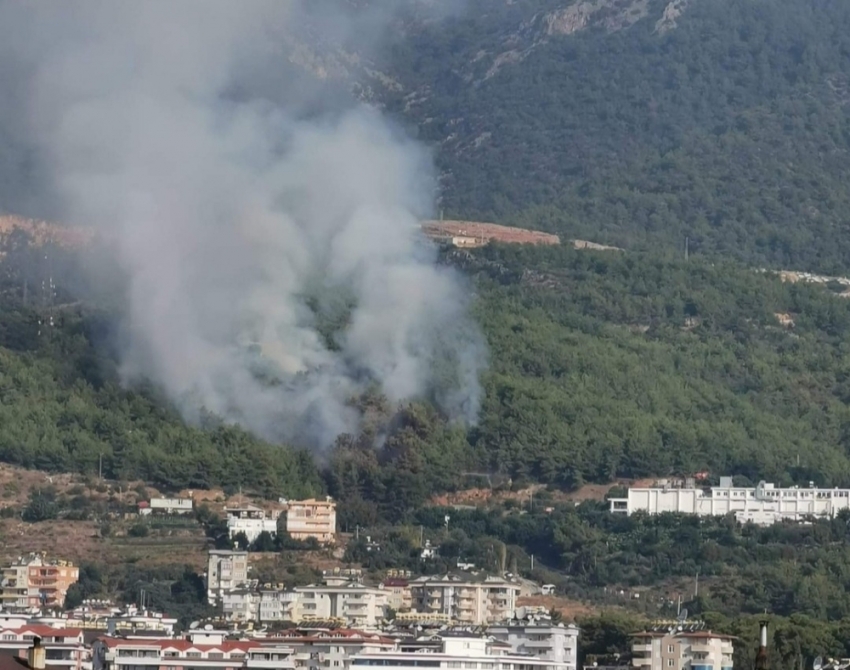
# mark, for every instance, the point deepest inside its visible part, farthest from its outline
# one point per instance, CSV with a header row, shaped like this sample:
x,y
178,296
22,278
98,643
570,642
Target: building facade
x,y
763,504
464,599
398,593
64,648
204,652
353,604
226,571
33,582
555,643
250,520
453,651
171,505
686,649
312,519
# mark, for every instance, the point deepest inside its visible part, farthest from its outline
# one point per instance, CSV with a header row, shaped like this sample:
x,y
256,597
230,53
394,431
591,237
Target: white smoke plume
x,y
244,225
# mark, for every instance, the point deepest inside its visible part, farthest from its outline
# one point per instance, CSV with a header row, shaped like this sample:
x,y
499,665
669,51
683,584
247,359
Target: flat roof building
x,y
764,504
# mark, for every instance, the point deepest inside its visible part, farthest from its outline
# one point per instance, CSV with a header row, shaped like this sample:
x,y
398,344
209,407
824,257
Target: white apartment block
x,y
356,605
197,652
332,649
452,652
312,519
464,599
763,504
555,643
226,571
250,520
686,649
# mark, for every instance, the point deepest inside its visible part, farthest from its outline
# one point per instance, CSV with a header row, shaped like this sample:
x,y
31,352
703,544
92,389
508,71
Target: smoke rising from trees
x,y
268,236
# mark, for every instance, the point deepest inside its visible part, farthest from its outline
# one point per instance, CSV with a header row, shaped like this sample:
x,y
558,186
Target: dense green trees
x,y
730,129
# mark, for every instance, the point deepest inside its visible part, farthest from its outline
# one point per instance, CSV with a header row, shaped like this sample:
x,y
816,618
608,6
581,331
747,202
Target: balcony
x,y
642,648
641,662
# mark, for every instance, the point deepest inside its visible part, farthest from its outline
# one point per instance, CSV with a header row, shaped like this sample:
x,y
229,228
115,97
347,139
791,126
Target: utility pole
x,y
532,562
696,585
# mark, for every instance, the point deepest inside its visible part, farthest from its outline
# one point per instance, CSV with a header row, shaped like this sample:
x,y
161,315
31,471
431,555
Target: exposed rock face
x,y
612,14
672,12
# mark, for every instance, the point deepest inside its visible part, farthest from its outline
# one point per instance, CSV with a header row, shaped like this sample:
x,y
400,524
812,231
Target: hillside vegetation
x,y
728,125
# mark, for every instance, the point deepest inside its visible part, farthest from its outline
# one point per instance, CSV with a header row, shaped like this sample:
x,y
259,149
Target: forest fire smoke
x,y
270,252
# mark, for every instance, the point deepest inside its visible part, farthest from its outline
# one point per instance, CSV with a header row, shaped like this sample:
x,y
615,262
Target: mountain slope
x,y
641,123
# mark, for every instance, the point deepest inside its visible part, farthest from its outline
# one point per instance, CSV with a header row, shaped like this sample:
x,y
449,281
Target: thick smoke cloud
x,y
272,256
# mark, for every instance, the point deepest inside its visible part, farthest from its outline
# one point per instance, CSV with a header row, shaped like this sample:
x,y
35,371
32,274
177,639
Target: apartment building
x,y
226,571
196,652
332,649
251,520
64,648
32,582
764,504
355,605
682,647
312,518
453,650
469,598
398,593
540,638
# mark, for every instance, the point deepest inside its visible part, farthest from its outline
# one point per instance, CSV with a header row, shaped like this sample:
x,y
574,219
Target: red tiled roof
x,y
396,581
168,644
44,631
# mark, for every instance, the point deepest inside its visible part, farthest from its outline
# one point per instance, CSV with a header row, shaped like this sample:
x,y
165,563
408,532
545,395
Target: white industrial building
x,y
764,504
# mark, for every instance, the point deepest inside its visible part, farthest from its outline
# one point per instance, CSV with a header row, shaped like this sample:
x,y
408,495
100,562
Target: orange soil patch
x,y
69,540
484,496
474,233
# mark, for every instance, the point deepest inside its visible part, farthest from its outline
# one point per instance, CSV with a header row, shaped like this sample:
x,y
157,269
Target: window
x,y
670,662
470,666
454,664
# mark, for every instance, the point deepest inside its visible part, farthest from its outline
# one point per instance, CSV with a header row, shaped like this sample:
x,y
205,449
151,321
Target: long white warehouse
x,y
764,504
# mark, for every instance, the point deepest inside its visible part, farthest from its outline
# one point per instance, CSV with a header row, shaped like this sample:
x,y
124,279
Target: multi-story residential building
x,y
462,650
312,518
398,593
133,620
240,604
763,504
471,599
683,647
33,582
540,638
353,604
226,571
332,649
64,648
197,652
276,605
250,520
